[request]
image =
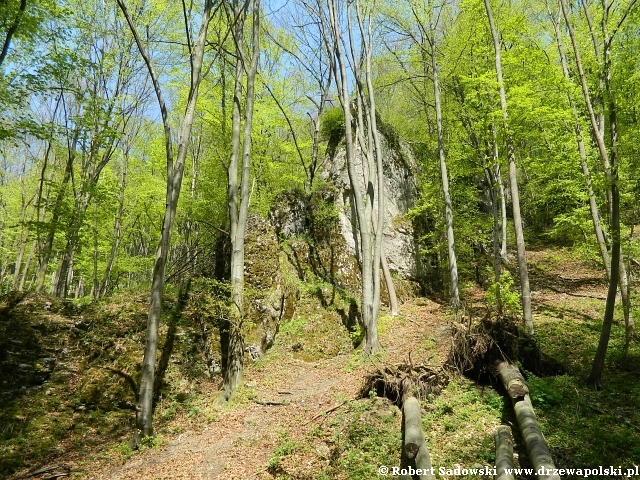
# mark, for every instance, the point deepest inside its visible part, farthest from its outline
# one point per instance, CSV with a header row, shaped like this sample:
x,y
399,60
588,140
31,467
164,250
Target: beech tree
x,y
238,188
175,170
367,191
513,180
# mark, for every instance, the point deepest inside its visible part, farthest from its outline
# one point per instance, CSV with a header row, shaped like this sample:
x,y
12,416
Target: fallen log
x,y
415,446
534,441
512,380
504,453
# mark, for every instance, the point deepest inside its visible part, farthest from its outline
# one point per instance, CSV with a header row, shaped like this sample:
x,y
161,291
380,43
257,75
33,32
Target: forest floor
x,y
303,415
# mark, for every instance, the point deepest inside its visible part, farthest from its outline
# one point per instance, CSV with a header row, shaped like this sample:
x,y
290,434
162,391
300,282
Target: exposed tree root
x,y
476,347
398,382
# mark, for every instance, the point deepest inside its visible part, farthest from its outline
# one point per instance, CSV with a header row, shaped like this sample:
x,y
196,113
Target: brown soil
x,y
285,394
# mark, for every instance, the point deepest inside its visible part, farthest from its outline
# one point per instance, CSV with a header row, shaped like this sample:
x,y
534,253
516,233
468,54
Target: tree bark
x,y
536,445
504,453
144,409
513,181
453,266
239,207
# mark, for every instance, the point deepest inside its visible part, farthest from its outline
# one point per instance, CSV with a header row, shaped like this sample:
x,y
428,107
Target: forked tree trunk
x,y
513,181
238,206
144,409
379,259
598,361
363,208
593,207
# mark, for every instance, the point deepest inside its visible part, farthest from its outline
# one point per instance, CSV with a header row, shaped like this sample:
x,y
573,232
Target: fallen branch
x,y
271,403
326,412
50,468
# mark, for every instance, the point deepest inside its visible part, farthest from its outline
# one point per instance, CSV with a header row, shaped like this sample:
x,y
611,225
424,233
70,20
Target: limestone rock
x,y
400,195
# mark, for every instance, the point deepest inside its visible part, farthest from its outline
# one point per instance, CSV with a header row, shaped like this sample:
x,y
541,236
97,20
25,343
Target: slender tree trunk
x,y
363,209
117,226
239,207
593,207
46,249
502,197
513,181
144,409
22,245
491,181
453,266
598,361
613,136
25,270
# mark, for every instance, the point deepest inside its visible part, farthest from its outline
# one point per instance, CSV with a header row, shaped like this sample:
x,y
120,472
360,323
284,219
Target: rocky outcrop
x,y
270,296
295,214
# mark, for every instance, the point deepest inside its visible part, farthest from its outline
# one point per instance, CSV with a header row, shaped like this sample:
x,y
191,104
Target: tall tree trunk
x,y
598,361
239,207
593,207
370,344
513,181
453,266
144,409
379,260
613,138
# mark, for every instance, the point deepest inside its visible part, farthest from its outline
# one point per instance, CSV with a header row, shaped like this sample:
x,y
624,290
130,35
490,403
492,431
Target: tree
x,y
513,181
611,170
371,189
175,169
238,194
448,210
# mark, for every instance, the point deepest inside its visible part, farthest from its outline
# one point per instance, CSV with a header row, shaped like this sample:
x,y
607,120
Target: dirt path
x,y
285,394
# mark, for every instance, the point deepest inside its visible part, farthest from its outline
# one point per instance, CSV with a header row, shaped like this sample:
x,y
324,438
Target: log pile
x,y
535,443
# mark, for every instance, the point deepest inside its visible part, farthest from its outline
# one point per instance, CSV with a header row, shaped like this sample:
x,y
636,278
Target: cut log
x,y
512,380
415,447
504,453
413,436
536,445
